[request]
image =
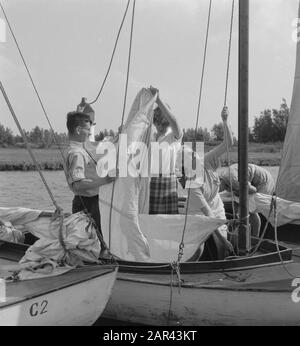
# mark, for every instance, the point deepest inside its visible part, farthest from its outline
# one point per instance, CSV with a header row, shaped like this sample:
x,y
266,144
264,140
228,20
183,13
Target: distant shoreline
x,y
26,166
16,159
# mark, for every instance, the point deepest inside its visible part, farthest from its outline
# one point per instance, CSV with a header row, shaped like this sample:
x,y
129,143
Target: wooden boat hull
x,y
75,298
207,299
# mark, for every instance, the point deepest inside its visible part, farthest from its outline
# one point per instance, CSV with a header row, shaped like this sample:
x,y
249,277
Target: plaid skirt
x,y
163,195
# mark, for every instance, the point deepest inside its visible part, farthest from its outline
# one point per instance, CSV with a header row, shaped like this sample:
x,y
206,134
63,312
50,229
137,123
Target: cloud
x,y
7,67
272,15
118,76
173,7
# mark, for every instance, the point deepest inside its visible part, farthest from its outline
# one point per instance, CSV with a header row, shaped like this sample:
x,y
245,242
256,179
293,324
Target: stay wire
x,y
262,236
203,67
229,52
273,208
28,146
113,54
32,82
123,112
171,296
180,253
47,117
48,120
45,113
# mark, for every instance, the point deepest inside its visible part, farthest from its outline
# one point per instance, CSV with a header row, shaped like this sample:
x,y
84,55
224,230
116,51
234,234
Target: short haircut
x,y
158,117
75,119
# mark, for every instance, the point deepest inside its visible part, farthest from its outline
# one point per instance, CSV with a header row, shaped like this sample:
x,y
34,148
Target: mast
x,y
244,232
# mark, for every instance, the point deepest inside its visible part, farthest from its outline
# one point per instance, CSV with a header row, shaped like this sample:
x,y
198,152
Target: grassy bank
x,y
259,154
15,159
12,159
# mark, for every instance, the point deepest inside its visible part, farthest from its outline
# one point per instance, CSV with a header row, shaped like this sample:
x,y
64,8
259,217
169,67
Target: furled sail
x,y
288,182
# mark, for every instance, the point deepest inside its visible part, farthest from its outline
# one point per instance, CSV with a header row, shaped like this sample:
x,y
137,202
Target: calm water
x,y
27,190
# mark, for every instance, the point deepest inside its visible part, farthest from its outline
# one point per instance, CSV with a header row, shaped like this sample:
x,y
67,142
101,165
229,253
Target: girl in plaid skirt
x,y
163,184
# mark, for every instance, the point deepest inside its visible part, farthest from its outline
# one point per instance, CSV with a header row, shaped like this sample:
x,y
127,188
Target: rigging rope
x,y
32,82
225,102
123,113
58,209
203,67
229,52
171,296
261,238
113,54
53,135
28,146
273,208
180,253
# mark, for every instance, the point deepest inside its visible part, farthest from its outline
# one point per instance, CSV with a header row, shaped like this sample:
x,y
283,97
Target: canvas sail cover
x,y
57,252
129,231
287,211
288,182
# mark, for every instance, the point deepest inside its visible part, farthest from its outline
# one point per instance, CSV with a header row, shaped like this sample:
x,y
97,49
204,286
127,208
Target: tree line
x,y
40,138
269,126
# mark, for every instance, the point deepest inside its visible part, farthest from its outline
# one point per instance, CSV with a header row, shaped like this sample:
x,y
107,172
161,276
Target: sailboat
x,y
256,289
56,281
287,186
286,226
38,289
73,298
253,290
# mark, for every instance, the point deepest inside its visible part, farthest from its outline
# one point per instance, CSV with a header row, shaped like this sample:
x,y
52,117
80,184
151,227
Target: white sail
x,y
288,182
134,234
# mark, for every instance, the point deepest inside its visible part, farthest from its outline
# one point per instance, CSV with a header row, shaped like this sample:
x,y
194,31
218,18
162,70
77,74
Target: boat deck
x,y
19,291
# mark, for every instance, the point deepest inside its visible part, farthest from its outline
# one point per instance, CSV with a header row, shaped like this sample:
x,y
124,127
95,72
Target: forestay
x,y
129,231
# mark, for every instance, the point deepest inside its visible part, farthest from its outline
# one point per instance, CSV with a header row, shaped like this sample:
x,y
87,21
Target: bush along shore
x,y
58,166
18,159
27,166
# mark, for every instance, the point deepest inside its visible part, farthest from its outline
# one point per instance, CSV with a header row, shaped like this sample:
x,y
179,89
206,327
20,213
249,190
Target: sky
x,y
67,45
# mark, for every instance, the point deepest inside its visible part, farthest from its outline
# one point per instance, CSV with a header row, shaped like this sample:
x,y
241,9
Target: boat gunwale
x,y
237,269
231,264
19,300
207,285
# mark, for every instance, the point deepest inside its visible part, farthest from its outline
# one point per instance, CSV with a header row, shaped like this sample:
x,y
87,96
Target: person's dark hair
x,y
75,119
158,117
